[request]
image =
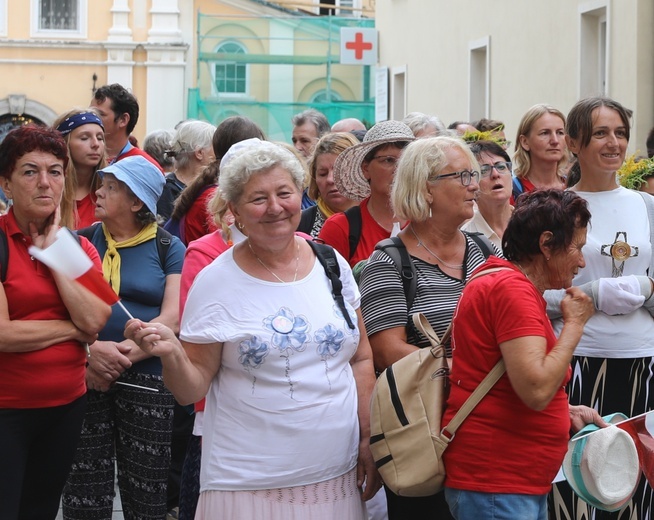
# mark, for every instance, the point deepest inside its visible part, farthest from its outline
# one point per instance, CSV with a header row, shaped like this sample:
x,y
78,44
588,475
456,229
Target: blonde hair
x,y
336,143
68,205
421,162
521,157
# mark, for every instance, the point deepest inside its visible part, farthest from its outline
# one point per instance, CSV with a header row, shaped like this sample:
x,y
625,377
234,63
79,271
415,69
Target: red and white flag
x,y
67,257
641,429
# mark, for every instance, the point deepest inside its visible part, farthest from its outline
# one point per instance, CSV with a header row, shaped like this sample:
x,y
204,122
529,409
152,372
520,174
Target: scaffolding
x,y
270,68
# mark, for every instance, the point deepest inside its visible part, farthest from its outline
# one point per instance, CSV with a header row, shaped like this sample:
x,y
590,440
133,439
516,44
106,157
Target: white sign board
x,y
381,94
358,46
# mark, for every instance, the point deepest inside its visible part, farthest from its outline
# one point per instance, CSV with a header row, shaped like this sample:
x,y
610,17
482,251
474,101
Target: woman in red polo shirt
x,y
45,320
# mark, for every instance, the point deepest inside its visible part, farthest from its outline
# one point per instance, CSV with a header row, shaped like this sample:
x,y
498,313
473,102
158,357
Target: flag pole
x,y
125,310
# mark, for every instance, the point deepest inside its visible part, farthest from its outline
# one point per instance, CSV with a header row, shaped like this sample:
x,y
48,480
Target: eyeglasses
x,y
465,176
500,167
387,161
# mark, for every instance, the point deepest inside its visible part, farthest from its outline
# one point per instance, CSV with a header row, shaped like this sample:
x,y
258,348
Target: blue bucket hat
x,y
143,178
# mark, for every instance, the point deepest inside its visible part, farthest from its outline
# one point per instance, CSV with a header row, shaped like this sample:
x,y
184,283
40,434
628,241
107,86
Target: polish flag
x,y
67,257
641,429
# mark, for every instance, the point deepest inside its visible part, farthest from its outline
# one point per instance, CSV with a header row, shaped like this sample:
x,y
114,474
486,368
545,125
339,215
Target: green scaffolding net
x,y
269,68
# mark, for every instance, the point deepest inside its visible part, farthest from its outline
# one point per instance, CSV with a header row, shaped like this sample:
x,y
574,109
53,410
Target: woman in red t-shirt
x,y
83,133
509,449
45,320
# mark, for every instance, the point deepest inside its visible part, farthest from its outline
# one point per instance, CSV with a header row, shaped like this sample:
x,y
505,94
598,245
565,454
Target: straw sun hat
x,y
348,176
602,467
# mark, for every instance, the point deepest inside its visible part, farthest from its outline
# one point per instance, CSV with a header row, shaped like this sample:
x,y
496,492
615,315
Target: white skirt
x,y
338,498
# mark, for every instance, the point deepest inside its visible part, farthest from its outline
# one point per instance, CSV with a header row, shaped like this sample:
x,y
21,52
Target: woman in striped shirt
x,y
435,187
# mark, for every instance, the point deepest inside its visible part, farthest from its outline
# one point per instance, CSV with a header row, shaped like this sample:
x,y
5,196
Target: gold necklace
x,y
297,261
422,244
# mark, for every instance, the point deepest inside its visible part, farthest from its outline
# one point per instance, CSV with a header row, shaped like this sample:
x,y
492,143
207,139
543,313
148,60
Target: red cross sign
x,y
358,46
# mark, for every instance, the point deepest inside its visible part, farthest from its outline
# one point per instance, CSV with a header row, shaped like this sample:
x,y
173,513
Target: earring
x,y
430,215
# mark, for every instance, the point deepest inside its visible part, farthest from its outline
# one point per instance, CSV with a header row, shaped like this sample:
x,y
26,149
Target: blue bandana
x,y
70,123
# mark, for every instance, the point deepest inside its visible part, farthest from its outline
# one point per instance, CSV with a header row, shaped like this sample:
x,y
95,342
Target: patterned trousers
x,y
608,386
130,428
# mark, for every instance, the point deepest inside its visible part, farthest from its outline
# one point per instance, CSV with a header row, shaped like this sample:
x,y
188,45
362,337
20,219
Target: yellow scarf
x,y
324,208
111,260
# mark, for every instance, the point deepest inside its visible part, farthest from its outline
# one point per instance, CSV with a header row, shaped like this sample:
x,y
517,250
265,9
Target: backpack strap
x,y
327,259
517,188
4,256
484,244
396,250
307,218
164,239
354,222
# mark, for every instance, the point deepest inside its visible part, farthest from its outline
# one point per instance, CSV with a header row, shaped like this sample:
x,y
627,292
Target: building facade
x,y
54,53
467,60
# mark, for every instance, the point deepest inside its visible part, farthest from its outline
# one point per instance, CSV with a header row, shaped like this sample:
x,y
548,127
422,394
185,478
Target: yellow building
x,y
53,53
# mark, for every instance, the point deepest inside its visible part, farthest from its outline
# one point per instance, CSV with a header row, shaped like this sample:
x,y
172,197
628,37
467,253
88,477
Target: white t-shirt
x,y
282,410
478,224
621,215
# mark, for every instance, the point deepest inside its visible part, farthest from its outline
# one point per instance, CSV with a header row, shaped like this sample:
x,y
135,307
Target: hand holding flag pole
x,y
66,256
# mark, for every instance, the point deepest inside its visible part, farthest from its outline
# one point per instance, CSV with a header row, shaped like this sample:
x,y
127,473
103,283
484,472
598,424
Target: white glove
x,y
619,295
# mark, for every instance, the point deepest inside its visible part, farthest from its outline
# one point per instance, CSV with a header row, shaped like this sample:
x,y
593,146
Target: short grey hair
x,y
156,144
189,137
314,117
421,162
253,159
419,122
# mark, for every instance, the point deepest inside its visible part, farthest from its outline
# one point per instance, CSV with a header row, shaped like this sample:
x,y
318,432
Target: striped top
x,y
383,302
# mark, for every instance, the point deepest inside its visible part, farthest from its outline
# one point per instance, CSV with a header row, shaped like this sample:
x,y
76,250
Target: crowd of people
x,y
260,295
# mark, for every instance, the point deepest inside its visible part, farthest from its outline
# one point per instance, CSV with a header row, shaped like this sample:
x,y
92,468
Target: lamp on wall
x,y
94,78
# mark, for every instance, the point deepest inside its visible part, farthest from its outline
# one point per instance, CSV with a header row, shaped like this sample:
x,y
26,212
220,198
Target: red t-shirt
x,y
502,446
198,220
85,215
52,376
133,150
336,229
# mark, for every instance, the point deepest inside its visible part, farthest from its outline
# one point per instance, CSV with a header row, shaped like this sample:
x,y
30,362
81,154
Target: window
x,y
58,15
230,77
323,97
593,55
478,100
3,17
59,18
398,92
351,7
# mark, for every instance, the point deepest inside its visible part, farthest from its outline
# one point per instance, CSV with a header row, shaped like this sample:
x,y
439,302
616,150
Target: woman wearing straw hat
x,y
129,414
365,173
